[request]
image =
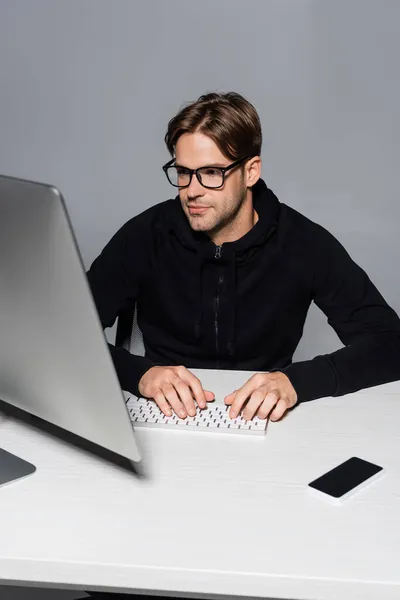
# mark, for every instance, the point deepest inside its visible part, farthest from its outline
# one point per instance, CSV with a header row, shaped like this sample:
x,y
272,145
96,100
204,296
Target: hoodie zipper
x,y
218,251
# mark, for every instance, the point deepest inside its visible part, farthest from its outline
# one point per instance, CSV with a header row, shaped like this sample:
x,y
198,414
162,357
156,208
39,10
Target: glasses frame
x,y
192,172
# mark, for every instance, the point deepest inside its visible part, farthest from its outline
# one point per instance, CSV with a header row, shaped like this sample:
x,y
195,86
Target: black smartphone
x,y
347,478
13,467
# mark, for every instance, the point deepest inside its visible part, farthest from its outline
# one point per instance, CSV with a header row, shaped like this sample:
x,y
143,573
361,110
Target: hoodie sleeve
x,y
114,279
368,328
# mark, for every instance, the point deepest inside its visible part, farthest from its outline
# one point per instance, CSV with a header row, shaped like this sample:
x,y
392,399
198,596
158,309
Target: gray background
x,y
87,88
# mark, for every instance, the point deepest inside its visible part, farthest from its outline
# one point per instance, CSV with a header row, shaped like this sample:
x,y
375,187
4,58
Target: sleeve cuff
x,y
311,379
130,368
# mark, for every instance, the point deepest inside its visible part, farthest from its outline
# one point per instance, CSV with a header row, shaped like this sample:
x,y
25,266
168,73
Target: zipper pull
x,y
218,251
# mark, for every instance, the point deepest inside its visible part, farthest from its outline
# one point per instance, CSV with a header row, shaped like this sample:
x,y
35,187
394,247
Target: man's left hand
x,y
263,394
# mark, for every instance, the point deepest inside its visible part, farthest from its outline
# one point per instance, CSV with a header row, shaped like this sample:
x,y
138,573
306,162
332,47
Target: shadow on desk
x,y
75,440
24,593
8,592
112,596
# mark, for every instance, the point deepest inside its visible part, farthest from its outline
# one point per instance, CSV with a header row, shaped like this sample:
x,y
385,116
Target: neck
x,y
244,221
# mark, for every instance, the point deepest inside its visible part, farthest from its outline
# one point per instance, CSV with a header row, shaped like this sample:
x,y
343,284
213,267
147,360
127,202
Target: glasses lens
x,y
178,176
211,177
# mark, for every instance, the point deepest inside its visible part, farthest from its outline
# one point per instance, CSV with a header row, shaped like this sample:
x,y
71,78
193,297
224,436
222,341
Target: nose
x,y
195,188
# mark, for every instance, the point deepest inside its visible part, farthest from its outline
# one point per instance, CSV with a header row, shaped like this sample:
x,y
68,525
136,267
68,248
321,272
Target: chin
x,y
197,226
199,223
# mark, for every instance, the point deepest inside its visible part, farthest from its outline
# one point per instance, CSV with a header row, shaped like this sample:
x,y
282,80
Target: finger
x,y
255,401
270,401
242,394
210,396
279,409
195,385
238,404
170,393
185,395
162,403
230,397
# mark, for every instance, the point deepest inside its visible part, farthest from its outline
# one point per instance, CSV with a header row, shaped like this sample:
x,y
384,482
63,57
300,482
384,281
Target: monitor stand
x,y
12,467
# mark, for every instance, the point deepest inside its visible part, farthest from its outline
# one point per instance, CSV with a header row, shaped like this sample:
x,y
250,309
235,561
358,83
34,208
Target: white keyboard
x,y
215,418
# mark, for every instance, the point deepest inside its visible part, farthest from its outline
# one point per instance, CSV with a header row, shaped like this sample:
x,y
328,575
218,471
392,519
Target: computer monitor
x,y
54,358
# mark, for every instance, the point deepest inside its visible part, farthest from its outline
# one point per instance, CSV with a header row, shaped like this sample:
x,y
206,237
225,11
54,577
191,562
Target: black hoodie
x,y
243,305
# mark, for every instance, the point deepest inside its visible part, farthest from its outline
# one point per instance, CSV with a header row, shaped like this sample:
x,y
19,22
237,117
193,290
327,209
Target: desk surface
x,y
219,514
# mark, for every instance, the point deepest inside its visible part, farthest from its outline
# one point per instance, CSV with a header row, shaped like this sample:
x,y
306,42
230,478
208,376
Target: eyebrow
x,y
215,164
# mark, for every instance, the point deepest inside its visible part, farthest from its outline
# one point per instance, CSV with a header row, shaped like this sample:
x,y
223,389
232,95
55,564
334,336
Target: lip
x,y
197,210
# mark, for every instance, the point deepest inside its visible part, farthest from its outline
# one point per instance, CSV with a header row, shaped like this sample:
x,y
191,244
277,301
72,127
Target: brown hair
x,y
228,119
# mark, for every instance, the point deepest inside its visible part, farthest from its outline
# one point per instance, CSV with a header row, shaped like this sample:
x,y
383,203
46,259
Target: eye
x,y
211,172
182,171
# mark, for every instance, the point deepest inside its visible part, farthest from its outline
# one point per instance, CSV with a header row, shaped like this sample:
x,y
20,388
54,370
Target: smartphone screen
x,y
345,477
12,467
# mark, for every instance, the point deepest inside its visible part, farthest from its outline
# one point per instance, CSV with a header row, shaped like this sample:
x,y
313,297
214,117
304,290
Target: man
x,y
223,276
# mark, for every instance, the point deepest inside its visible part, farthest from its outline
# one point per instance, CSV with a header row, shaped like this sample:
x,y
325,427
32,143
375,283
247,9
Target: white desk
x,y
221,514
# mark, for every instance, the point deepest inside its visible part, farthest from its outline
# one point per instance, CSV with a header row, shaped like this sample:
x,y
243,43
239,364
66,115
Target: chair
x,y
129,335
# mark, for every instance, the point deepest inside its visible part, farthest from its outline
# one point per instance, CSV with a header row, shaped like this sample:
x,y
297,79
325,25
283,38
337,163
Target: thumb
x,y
230,398
209,395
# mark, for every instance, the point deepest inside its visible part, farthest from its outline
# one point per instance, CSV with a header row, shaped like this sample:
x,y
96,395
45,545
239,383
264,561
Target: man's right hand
x,y
174,387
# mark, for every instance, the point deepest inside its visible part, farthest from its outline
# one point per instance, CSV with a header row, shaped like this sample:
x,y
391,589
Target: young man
x,y
223,276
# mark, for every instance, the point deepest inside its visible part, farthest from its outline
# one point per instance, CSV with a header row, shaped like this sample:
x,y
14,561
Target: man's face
x,y
209,210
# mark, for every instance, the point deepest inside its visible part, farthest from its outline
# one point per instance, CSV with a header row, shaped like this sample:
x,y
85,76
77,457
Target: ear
x,y
253,171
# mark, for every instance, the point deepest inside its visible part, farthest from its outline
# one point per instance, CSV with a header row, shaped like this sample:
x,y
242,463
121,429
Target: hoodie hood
x,y
265,203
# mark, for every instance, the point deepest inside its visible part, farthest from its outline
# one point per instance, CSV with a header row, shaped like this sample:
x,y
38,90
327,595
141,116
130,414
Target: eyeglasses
x,y
209,177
